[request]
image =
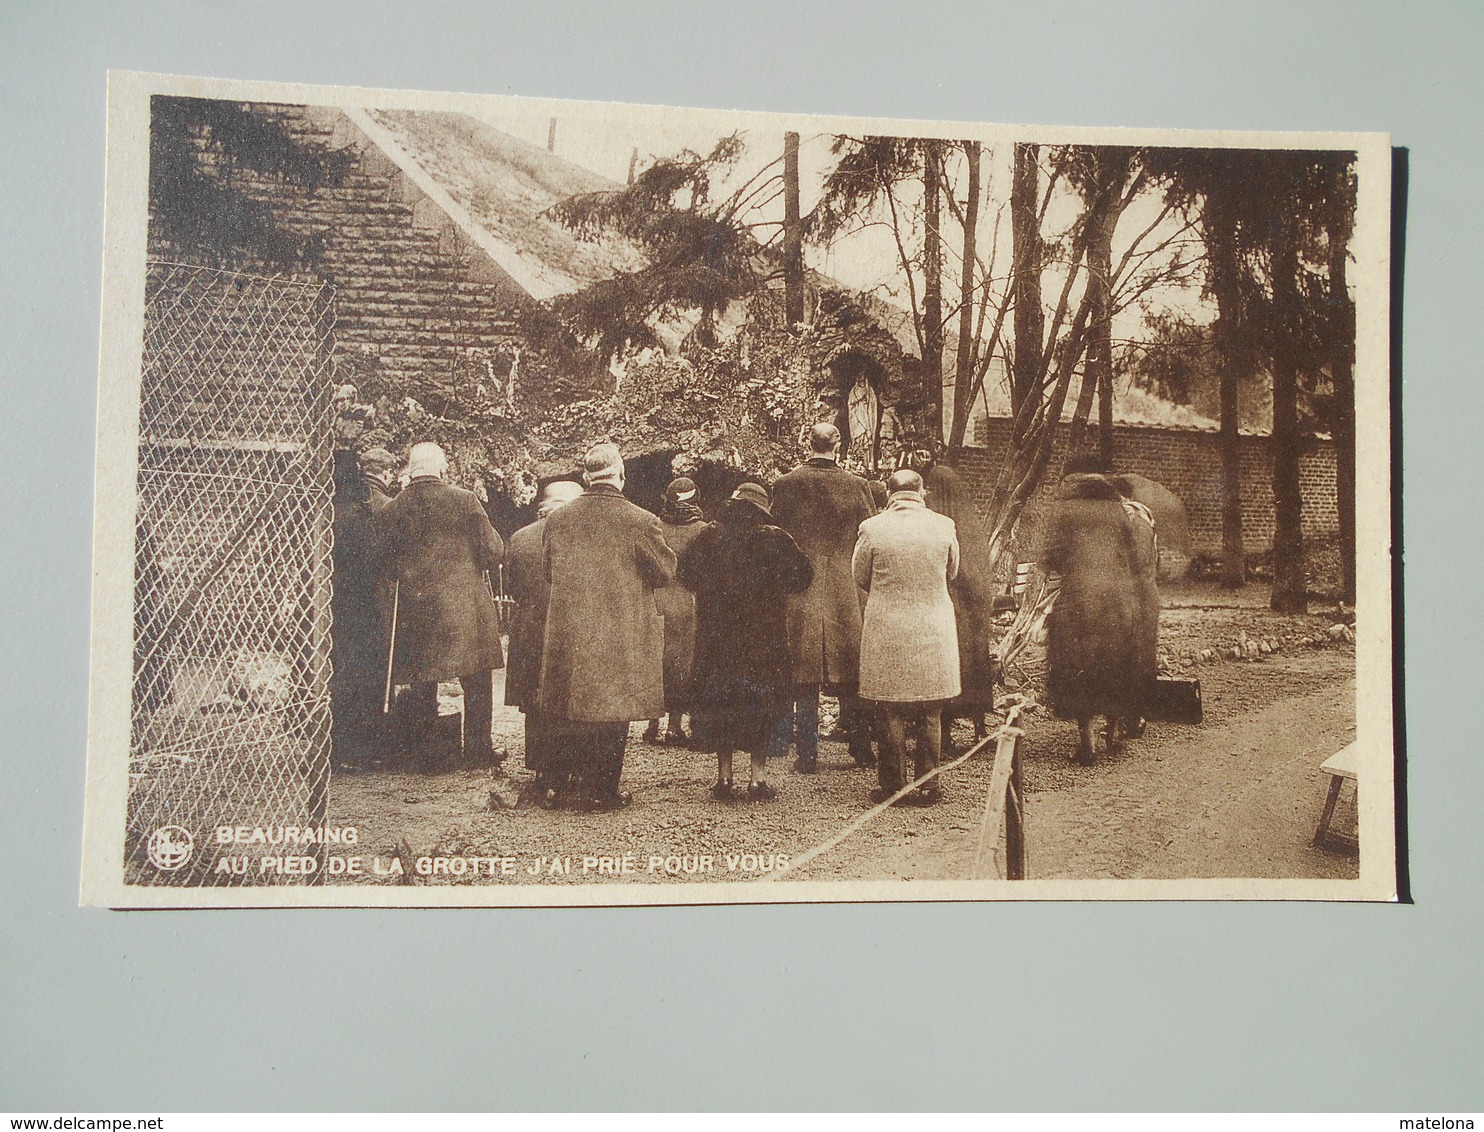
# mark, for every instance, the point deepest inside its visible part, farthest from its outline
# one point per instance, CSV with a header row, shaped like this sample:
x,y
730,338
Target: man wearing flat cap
x,y
361,608
602,664
440,549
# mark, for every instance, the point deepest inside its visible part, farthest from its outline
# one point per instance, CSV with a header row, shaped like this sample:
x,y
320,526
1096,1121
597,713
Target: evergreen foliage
x,y
196,147
700,254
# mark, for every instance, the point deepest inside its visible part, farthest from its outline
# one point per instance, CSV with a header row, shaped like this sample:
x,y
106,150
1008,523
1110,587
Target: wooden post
x,y
551,137
1003,797
1015,822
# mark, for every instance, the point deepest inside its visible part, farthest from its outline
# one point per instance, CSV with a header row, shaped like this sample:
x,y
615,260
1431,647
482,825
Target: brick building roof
x,y
497,189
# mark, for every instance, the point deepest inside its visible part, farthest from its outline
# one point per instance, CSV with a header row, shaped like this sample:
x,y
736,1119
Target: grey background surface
x,y
1000,1007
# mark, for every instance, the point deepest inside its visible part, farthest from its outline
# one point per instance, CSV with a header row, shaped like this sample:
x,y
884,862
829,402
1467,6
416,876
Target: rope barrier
x,y
881,807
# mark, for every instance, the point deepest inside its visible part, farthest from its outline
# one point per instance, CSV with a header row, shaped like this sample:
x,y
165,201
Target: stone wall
x,y
414,299
1185,461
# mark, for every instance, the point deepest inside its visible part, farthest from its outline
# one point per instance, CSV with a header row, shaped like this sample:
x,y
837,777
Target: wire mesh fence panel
x,y
231,718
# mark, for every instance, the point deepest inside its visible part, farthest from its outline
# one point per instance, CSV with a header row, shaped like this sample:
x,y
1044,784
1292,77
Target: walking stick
x,y
497,596
391,651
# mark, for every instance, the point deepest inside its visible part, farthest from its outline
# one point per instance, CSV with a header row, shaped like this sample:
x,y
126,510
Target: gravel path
x,y
1236,797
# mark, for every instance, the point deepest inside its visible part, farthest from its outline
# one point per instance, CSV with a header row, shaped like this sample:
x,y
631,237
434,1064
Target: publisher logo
x,y
169,847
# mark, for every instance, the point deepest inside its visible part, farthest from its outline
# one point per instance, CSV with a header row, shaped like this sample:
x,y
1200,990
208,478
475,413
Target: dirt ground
x,y
1238,796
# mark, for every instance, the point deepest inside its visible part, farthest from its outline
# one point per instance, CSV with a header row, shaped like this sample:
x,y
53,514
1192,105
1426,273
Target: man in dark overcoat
x,y
361,608
822,506
603,661
525,581
440,549
972,591
742,569
1103,632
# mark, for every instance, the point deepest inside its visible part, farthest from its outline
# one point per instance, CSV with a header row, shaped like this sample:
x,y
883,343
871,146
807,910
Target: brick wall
x,y
410,288
1185,461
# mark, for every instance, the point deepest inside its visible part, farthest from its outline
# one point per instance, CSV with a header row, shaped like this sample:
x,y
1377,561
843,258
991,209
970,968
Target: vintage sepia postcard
x,y
525,502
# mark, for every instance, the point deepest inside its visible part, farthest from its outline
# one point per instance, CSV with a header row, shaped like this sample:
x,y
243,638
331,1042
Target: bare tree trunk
x,y
1031,459
932,284
1290,587
1104,207
1025,268
1345,475
793,233
1100,349
1342,366
963,380
1077,430
1233,545
1221,251
1100,321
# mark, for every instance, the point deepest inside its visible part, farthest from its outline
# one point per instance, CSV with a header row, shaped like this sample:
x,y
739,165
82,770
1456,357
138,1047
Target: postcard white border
x,y
126,215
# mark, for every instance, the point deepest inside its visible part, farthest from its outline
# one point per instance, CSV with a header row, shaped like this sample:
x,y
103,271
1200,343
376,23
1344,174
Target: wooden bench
x,y
1339,767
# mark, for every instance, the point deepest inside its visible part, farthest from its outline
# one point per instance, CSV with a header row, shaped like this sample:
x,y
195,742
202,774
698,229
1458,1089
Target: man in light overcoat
x,y
904,559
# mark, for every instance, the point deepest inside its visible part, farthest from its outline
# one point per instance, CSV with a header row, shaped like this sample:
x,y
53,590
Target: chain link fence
x,y
231,708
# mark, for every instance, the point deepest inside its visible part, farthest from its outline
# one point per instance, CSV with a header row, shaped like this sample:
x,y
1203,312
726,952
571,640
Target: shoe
x,y
929,795
864,758
761,792
806,766
476,756
722,791
881,794
652,732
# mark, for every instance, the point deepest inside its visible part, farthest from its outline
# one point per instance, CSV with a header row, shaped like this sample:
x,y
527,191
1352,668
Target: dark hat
x,y
681,489
754,493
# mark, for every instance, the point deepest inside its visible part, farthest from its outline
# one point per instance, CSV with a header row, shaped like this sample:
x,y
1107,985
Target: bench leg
x,y
1321,835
